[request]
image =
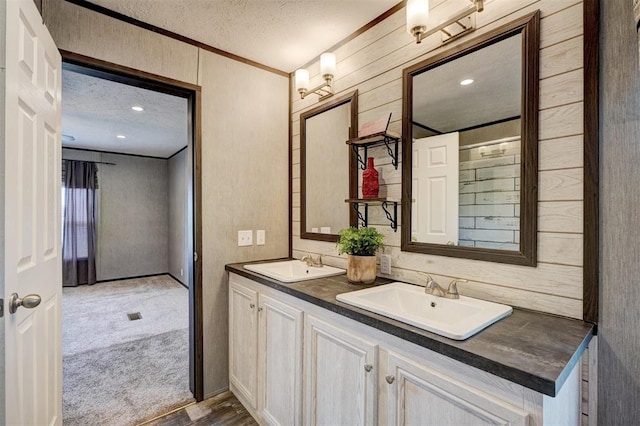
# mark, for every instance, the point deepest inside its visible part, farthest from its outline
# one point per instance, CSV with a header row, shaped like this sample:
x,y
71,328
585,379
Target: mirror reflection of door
x,y
477,97
486,90
435,189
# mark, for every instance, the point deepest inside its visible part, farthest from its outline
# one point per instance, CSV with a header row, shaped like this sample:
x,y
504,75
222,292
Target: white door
x,y
280,370
434,213
340,376
32,261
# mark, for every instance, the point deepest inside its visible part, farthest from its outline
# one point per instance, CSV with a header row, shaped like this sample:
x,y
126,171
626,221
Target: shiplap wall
x,y
489,214
373,62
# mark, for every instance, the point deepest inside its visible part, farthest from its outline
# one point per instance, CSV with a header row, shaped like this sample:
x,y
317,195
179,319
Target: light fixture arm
x,y
477,6
324,90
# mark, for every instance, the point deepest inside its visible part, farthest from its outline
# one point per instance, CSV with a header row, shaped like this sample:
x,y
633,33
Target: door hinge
x,y
1,308
195,256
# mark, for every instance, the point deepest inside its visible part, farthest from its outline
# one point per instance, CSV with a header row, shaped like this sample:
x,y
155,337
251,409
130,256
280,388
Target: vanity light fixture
x,y
327,69
466,82
137,108
418,17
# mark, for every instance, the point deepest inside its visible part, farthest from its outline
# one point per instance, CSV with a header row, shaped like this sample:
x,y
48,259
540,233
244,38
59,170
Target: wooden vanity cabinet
x,y
265,353
293,363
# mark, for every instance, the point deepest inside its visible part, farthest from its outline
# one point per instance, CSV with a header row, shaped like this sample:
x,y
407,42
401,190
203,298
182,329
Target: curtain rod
x,y
95,162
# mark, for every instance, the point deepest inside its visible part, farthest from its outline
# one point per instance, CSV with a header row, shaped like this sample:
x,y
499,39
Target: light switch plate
x,y
245,238
385,263
260,237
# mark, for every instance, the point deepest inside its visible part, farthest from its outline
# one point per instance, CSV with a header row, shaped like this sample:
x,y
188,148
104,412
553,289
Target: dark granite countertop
x,y
533,349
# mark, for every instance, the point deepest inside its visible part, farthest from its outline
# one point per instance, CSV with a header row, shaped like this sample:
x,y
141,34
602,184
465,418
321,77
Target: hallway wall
x,y
133,214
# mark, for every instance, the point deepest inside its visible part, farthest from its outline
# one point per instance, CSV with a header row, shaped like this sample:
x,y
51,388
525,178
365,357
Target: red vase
x,y
370,185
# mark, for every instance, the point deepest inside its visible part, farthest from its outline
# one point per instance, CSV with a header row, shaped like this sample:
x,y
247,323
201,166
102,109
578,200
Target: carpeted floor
x,y
117,371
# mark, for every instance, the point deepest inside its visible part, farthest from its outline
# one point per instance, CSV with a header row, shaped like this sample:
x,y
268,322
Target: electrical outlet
x,y
245,238
385,263
181,272
260,237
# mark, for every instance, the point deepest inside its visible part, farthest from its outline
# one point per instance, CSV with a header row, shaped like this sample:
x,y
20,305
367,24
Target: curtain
x,y
79,224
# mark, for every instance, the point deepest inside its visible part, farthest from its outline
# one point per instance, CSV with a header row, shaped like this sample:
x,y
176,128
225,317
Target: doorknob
x,y
30,301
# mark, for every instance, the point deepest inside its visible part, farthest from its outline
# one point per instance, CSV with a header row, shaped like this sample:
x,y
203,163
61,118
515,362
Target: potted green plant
x,y
361,245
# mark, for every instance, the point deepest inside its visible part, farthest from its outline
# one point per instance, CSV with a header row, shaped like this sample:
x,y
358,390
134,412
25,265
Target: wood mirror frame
x,y
352,99
528,26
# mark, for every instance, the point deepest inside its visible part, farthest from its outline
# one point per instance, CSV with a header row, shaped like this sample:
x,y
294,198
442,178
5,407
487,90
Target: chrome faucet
x,y
310,261
433,288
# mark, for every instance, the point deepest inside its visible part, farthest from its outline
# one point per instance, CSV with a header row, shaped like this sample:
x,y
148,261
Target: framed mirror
x,y
327,168
470,143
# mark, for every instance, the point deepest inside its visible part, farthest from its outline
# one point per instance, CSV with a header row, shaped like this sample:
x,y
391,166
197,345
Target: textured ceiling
x,y
283,34
95,110
441,103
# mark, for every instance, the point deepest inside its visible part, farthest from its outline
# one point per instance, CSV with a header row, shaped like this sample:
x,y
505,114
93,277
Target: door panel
x,y
280,351
434,213
243,341
32,264
340,386
420,395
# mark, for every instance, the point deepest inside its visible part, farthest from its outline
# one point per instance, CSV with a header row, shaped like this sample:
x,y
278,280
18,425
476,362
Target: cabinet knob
x,y
368,367
390,379
252,305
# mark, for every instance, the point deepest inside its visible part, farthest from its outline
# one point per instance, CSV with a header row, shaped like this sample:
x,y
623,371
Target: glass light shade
x,y
302,80
417,14
328,64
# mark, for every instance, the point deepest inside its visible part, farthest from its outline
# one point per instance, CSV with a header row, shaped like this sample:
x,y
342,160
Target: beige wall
x,y
244,175
244,150
373,64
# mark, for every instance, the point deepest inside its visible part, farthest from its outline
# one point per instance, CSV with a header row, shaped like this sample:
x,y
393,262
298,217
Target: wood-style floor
x,y
222,409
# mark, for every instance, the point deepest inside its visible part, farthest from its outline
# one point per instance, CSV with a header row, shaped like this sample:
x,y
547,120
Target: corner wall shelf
x,y
390,140
392,214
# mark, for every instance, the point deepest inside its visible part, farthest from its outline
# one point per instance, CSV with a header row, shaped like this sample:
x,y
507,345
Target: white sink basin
x,y
290,271
456,319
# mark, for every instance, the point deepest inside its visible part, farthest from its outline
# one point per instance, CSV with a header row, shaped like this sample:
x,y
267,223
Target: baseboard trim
x,y
160,416
218,392
132,278
178,280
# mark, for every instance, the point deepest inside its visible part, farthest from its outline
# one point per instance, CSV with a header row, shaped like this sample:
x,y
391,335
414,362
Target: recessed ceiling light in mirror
x,y
137,108
121,136
466,82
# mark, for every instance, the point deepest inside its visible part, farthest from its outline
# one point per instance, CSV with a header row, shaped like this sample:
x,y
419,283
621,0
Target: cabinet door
x,y
340,376
280,353
243,341
280,373
419,395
